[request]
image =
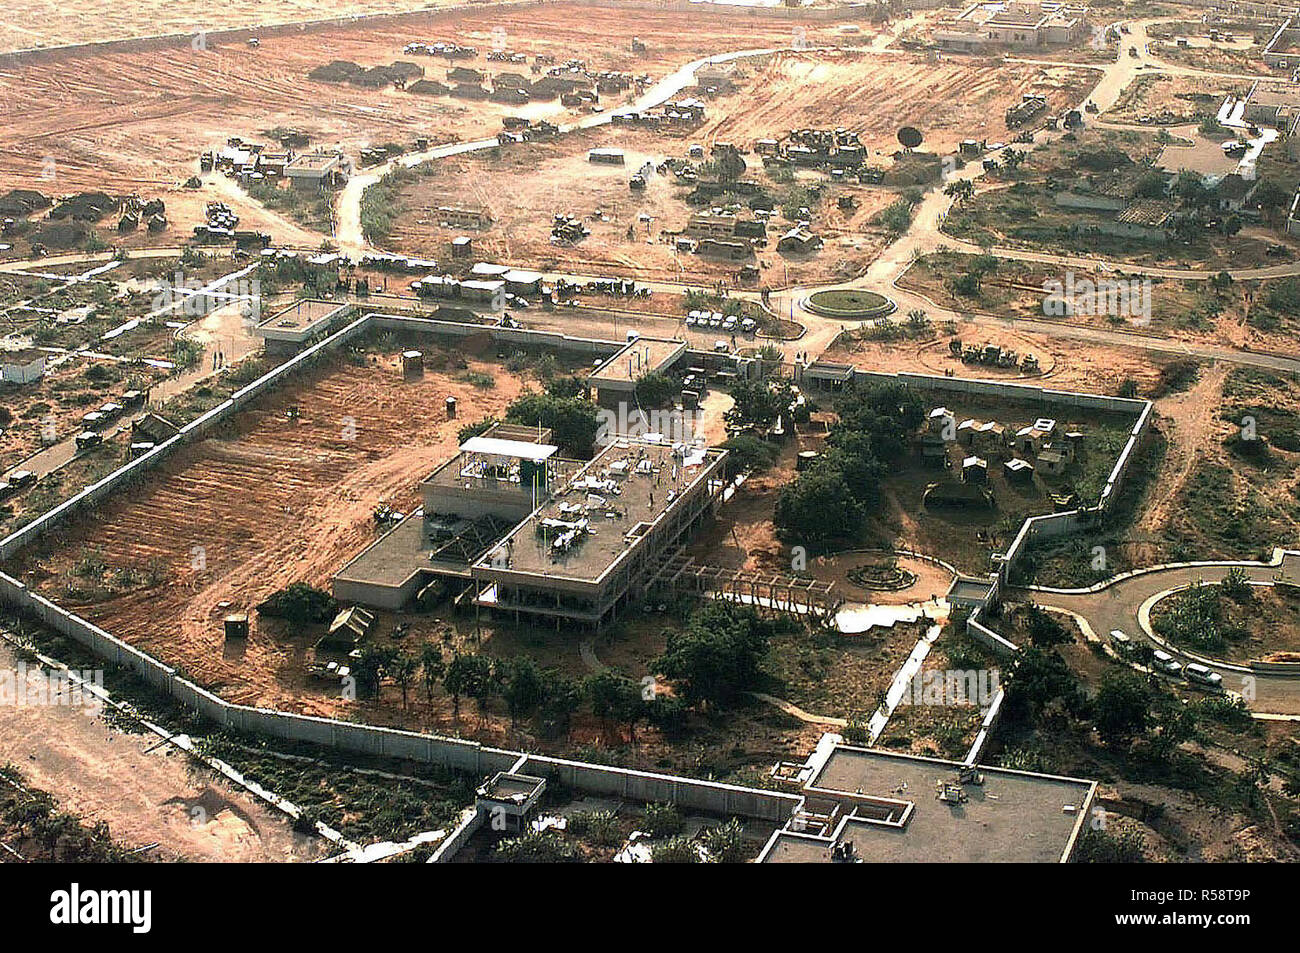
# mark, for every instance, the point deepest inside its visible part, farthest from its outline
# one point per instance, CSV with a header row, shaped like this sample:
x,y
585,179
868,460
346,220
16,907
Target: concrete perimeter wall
x,y
453,753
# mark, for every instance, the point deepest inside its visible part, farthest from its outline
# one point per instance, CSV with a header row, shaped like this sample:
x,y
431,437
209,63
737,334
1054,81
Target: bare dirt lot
x,y
135,121
268,502
1165,99
145,792
874,95
139,119
524,187
50,23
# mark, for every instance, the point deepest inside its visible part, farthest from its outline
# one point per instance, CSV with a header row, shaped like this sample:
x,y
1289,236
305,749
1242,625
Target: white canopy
x,y
519,449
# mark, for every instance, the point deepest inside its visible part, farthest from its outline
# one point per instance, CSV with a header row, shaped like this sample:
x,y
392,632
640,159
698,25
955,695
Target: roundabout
x,y
849,304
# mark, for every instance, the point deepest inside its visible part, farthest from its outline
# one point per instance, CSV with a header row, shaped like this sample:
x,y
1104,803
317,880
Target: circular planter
x,y
850,305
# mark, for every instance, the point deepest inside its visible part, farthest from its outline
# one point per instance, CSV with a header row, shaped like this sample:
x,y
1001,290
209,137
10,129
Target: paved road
x,y
1117,606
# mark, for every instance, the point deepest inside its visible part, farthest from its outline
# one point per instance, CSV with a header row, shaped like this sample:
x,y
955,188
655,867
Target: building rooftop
x,y
515,449
606,506
1011,817
634,360
303,315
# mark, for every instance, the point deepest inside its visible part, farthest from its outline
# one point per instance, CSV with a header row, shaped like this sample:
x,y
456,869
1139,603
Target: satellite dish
x,y
910,137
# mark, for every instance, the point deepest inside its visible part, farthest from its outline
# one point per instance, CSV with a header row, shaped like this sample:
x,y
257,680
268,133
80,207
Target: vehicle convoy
x,y
1162,661
1203,675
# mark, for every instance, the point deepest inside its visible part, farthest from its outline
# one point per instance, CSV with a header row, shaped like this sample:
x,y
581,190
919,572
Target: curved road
x,y
1118,604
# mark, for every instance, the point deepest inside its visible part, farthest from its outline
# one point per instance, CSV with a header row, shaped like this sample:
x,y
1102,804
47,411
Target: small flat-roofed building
x,y
509,799
518,281
966,431
940,421
295,326
1018,471
872,806
318,170
614,381
22,366
975,470
1052,461
493,475
827,375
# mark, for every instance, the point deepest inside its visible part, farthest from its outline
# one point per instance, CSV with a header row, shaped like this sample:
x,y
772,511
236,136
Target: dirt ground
x,y
1074,365
524,187
1166,99
138,120
874,95
146,792
50,23
308,491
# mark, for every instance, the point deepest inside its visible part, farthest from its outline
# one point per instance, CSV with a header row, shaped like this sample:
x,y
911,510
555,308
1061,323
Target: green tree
x,y
300,603
521,688
614,698
818,506
468,675
572,420
433,666
403,668
718,655
561,698
655,390
1122,706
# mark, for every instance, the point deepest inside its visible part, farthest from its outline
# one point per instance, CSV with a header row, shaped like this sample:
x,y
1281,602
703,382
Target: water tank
x,y
451,408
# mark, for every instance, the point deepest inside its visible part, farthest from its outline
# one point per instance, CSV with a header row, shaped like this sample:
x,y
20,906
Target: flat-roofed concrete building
x,y
592,547
1014,23
614,381
872,806
294,327
318,170
22,366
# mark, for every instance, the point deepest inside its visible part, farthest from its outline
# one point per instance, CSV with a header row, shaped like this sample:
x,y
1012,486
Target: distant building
x,y
1015,24
318,170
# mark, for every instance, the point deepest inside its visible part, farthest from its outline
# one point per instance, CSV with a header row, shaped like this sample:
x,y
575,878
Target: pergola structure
x,y
779,592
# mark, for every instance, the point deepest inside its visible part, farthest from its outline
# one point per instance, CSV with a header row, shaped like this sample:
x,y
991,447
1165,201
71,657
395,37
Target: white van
x,y
1164,662
1201,675
1123,644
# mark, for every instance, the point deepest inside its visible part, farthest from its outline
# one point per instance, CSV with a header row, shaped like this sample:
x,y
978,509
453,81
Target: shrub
x,y
662,820
299,603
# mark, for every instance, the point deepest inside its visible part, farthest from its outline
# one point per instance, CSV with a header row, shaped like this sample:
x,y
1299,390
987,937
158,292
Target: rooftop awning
x,y
520,449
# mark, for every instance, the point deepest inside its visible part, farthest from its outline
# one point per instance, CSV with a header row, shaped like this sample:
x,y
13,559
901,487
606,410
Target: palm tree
x,y
403,670
433,665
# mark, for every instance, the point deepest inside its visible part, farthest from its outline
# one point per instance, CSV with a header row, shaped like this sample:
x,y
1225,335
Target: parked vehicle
x,y
1162,661
721,347
87,439
1123,644
21,478
1202,675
